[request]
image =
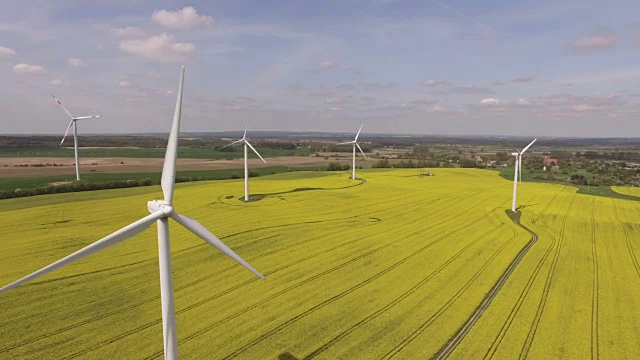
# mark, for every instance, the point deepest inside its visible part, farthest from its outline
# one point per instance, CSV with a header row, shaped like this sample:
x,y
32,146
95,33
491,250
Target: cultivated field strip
x,y
409,236
582,291
451,345
403,296
178,288
240,285
595,354
390,268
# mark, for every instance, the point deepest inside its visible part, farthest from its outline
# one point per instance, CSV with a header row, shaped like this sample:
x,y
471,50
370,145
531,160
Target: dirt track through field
x,y
457,338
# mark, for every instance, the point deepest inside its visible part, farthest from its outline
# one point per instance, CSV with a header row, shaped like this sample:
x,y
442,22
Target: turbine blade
x,y
169,167
346,143
359,148
117,237
86,117
235,142
358,134
62,106
66,132
202,232
245,131
255,151
513,147
528,146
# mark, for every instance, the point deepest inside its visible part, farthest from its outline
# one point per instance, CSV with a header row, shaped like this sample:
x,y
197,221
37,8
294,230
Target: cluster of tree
x,y
384,163
579,179
252,173
76,186
617,155
337,167
84,185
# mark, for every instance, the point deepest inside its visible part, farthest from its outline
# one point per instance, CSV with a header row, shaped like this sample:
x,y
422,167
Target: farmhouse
x,y
550,161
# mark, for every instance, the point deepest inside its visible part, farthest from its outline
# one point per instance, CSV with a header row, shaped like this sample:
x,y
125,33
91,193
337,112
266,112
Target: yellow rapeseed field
x,y
627,190
387,268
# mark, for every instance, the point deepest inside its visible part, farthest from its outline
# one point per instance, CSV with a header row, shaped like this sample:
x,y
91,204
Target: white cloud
x,y
438,108
59,82
490,102
470,89
183,19
168,93
162,48
6,52
585,107
125,84
23,68
597,41
329,64
436,83
128,31
522,102
334,100
76,62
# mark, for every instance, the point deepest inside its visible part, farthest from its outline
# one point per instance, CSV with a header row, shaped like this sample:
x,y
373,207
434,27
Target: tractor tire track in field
x,y
185,286
284,291
497,341
534,275
627,236
545,294
537,217
209,299
457,338
414,335
595,307
258,197
344,293
413,289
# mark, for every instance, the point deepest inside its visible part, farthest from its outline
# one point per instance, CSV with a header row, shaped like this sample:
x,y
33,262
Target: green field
x,y
388,268
37,182
183,152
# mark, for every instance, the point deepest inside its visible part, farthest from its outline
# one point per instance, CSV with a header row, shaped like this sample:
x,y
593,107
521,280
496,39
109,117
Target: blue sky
x,y
527,68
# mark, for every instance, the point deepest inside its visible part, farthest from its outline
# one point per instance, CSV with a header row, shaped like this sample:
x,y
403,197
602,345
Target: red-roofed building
x,y
551,161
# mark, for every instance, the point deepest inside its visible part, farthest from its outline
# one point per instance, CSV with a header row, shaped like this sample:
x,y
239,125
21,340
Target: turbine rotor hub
x,y
159,205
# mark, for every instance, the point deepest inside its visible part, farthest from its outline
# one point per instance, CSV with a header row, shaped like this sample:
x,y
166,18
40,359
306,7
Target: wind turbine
x,y
246,160
355,143
518,172
161,211
74,123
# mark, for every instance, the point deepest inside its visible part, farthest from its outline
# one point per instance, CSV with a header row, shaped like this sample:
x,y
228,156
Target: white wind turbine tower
x,y
161,211
74,123
355,143
246,160
518,172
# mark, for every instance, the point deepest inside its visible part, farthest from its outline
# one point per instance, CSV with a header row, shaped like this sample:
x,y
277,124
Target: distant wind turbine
x,y
246,160
518,172
355,143
74,123
161,211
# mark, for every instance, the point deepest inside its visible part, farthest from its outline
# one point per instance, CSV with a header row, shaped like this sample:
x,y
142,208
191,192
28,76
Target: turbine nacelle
x,y
159,205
